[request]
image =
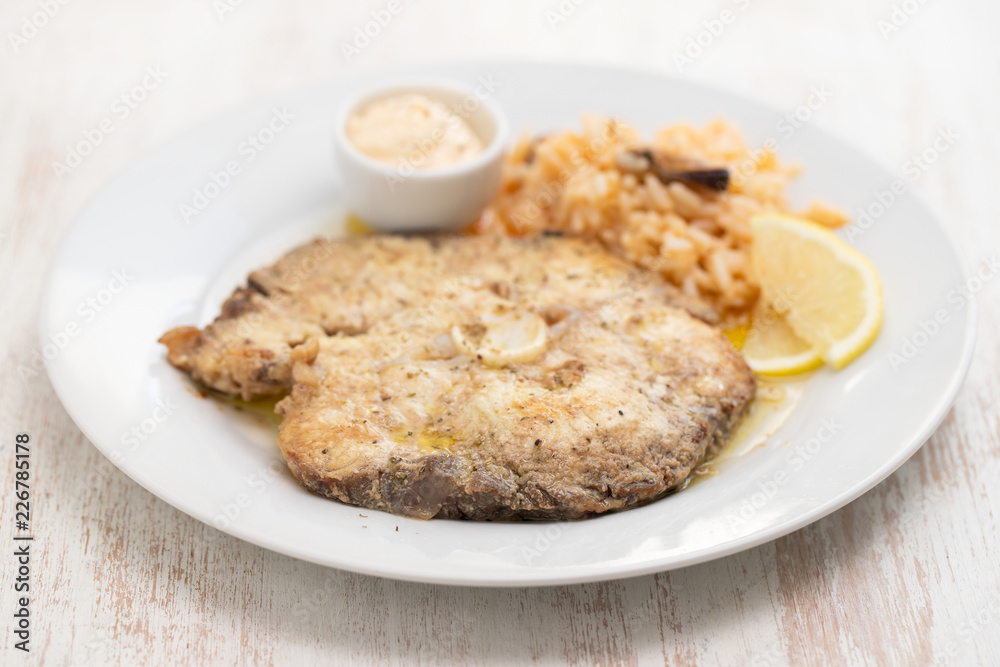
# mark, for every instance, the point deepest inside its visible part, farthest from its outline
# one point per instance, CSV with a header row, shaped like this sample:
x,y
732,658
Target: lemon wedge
x,y
827,292
502,338
772,348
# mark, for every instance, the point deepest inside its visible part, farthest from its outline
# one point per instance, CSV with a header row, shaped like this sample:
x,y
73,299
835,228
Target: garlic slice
x,y
498,339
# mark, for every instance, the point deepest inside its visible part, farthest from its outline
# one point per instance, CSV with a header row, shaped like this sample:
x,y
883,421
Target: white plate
x,y
111,374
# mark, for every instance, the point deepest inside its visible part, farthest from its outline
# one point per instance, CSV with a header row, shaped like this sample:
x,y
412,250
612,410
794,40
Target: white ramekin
x,y
391,198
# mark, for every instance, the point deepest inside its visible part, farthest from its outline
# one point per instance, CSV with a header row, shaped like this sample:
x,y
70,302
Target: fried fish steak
x,y
479,377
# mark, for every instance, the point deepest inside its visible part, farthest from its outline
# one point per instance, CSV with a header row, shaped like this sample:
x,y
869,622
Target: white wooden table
x,y
908,574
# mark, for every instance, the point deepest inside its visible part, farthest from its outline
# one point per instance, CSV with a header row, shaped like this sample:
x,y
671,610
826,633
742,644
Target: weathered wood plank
x,y
905,575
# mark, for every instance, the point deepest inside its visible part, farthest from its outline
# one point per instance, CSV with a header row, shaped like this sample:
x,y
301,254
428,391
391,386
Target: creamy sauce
x,y
413,130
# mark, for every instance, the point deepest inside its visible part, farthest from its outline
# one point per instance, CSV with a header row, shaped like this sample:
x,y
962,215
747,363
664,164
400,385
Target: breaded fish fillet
x,y
483,377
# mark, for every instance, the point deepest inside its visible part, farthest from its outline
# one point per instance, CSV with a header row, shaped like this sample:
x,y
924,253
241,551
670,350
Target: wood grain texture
x,y
906,575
